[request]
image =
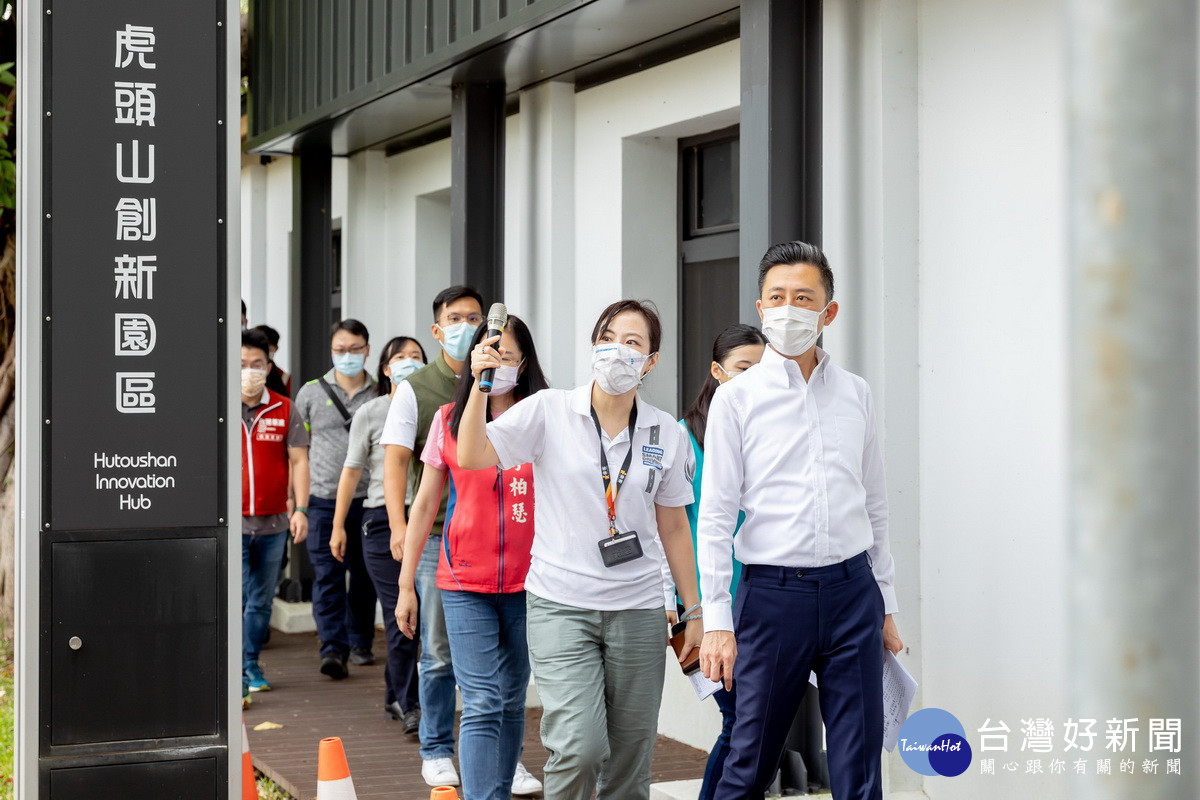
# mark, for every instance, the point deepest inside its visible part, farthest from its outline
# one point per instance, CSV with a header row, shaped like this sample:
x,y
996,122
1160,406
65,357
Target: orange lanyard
x,y
612,488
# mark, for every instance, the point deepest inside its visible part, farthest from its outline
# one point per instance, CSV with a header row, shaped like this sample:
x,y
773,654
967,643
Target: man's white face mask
x,y
791,330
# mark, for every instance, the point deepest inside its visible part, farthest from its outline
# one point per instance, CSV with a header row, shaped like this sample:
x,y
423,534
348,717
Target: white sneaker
x,y
439,772
524,783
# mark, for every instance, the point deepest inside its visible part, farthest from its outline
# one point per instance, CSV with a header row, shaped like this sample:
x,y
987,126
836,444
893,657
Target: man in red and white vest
x,y
274,452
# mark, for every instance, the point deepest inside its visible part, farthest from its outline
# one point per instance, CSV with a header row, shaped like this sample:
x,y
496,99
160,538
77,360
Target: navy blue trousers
x,y
344,618
400,670
727,703
789,621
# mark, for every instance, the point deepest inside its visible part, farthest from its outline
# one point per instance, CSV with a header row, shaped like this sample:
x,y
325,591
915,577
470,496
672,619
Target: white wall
x,y
626,134
266,246
540,259
993,373
870,235
415,264
254,224
364,246
944,161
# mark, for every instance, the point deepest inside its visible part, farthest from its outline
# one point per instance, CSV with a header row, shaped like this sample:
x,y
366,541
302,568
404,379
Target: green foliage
x,y
8,165
7,720
269,790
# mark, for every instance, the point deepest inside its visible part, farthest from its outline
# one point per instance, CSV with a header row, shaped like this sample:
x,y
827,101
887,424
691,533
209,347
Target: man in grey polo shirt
x,y
345,620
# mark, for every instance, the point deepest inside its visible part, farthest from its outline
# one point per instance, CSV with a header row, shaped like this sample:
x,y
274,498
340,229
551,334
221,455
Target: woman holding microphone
x,y
611,472
481,574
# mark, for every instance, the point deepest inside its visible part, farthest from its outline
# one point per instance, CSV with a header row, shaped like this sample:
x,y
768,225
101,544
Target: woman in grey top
x,y
401,357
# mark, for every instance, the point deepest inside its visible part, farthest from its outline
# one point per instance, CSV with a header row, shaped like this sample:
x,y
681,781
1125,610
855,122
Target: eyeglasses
x,y
473,319
355,349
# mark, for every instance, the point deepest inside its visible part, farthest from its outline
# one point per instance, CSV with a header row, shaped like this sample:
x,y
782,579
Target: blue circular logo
x,y
933,742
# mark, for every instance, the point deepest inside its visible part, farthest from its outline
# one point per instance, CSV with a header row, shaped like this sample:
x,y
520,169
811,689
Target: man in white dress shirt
x,y
793,443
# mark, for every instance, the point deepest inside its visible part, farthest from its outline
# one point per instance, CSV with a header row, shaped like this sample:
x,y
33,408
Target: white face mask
x,y
728,375
403,367
791,330
253,381
505,379
617,368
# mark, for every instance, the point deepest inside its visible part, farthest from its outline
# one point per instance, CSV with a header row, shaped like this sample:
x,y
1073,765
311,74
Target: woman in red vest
x,y
481,572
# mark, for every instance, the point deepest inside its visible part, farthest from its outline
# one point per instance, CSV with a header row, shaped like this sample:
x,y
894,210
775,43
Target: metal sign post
x,y
128,589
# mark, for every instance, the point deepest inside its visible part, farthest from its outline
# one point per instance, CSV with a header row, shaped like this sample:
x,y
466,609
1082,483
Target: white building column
x,y
540,281
365,285
254,238
870,235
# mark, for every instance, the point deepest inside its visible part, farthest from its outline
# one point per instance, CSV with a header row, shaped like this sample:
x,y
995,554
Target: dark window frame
x,y
697,245
690,175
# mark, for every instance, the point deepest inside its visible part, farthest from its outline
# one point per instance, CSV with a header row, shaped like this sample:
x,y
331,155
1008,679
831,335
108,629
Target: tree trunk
x,y
8,413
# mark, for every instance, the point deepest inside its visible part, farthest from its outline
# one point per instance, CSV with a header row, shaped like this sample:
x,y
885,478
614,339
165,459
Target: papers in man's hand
x,y
703,686
899,689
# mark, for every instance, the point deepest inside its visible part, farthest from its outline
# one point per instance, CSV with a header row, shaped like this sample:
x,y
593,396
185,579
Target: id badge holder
x,y
620,549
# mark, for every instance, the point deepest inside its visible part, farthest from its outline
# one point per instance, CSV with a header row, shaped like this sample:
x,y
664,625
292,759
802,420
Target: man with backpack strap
x,y
345,619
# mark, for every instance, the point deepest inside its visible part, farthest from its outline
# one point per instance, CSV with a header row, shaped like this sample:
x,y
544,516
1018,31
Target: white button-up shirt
x,y
803,461
554,430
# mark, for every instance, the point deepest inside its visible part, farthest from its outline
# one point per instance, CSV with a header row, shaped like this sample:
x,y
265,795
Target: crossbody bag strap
x,y
337,403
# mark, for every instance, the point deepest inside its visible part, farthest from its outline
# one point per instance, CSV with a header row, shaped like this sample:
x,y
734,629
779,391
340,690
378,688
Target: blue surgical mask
x,y
349,364
402,368
456,339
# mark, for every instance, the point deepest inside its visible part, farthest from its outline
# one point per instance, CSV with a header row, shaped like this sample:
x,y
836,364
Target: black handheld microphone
x,y
497,319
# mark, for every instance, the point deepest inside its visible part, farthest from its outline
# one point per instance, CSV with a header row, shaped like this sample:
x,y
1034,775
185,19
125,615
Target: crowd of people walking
x,y
508,528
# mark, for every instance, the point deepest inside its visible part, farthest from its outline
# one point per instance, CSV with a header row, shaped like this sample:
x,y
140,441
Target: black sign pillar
x,y
127,203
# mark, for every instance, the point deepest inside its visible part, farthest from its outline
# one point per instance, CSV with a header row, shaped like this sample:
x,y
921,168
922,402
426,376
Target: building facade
x,y
562,154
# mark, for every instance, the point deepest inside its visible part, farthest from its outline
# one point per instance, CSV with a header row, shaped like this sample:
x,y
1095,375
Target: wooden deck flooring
x,y
384,763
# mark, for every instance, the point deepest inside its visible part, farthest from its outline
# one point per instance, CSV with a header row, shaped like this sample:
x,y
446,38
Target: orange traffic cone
x,y
333,773
249,785
444,793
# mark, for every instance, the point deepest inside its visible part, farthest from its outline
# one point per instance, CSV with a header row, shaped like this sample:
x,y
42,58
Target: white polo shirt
x,y
554,430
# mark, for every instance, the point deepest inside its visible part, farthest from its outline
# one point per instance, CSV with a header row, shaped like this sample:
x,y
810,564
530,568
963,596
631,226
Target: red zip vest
x,y
265,458
486,544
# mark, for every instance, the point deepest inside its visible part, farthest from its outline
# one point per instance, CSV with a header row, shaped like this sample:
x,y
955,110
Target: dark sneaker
x,y
253,678
361,656
410,719
334,665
